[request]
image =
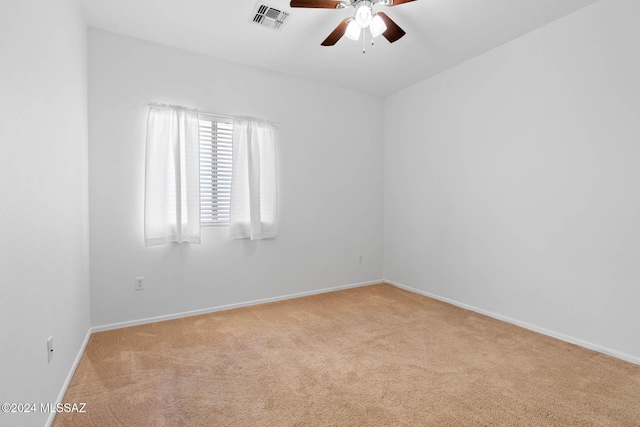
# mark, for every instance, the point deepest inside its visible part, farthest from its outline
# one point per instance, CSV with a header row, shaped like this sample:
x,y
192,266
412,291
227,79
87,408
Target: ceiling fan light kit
x,y
363,18
353,30
364,14
377,26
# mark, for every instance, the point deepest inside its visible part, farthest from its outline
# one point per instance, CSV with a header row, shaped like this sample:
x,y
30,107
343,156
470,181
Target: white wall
x,y
512,182
44,279
330,170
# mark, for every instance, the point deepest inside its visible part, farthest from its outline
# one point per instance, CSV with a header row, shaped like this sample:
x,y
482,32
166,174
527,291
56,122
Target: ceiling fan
x,y
364,17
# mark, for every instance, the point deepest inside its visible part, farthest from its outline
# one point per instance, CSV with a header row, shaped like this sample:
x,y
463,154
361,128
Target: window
x,y
215,169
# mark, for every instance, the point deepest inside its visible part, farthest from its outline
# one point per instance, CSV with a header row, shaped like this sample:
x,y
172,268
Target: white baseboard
x,y
562,337
228,307
72,371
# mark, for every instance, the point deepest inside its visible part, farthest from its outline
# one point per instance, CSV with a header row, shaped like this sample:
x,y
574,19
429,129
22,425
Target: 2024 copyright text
x,y
21,408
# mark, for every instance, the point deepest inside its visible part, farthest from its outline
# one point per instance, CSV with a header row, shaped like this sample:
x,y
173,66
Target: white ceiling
x,y
440,34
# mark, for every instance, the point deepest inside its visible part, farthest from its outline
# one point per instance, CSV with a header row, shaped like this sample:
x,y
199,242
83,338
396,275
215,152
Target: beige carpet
x,y
369,356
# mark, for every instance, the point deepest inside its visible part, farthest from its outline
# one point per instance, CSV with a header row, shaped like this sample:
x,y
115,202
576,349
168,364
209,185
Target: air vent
x,y
269,17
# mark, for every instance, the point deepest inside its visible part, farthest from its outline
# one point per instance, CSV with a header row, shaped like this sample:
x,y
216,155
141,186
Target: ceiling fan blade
x,y
336,34
398,2
393,32
322,4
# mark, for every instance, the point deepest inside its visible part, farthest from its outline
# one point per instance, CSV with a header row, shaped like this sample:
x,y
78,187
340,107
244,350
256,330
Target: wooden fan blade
x,y
321,4
393,31
398,2
336,34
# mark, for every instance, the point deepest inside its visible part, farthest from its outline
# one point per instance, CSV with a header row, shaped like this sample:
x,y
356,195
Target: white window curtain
x,y
172,176
254,195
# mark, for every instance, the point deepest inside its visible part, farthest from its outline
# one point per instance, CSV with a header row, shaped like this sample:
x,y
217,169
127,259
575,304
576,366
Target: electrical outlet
x,y
49,349
139,283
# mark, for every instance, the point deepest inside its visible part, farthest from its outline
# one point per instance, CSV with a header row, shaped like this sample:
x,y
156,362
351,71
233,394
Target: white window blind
x,y
215,169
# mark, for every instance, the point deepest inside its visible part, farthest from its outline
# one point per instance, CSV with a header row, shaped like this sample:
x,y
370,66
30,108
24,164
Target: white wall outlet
x,y
49,349
139,283
359,259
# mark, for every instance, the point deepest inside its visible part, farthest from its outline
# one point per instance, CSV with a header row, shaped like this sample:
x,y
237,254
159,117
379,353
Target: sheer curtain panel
x,y
254,194
172,176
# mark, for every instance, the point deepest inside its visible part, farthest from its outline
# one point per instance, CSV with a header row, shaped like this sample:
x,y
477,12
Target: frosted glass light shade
x,y
353,30
377,26
363,16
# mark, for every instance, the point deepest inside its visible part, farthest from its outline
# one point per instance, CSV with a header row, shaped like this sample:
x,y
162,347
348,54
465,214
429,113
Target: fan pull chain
x,y
364,41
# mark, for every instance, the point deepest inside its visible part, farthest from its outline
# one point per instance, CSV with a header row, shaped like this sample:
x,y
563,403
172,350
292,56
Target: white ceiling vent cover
x,y
268,16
